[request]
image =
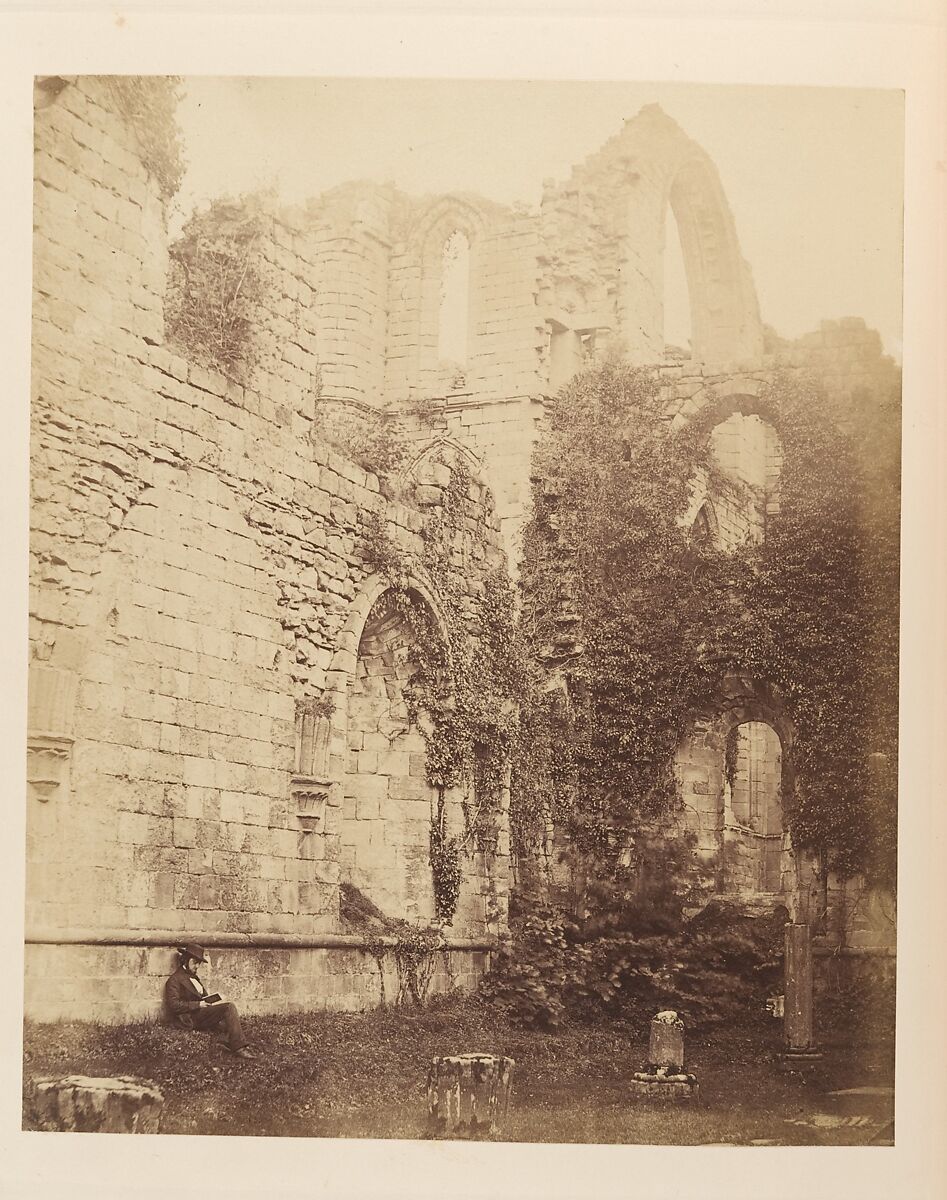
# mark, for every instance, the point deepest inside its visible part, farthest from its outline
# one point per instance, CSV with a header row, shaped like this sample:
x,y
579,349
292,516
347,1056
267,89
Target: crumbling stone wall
x,y
199,573
605,229
202,639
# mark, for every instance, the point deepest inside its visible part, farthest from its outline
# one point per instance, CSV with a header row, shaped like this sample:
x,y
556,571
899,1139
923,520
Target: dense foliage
x,y
216,285
468,673
824,606
632,622
560,970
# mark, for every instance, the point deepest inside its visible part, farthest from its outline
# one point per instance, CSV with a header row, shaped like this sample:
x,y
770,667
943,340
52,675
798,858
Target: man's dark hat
x,y
192,950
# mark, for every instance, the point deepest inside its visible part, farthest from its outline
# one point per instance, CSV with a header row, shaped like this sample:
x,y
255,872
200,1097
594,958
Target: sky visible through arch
x,y
814,176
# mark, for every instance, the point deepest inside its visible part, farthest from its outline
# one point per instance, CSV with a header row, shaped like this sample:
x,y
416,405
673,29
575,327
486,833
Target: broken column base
x,y
469,1094
80,1104
665,1088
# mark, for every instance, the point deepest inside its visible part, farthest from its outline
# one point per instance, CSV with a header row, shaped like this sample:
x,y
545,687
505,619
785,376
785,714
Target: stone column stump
x,y
80,1104
797,1014
664,1078
469,1094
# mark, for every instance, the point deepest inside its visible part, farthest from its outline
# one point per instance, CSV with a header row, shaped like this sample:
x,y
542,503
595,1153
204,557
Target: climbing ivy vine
x,y
149,104
467,679
824,606
631,622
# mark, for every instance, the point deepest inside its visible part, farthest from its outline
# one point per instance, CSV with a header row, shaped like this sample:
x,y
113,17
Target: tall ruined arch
x,y
615,206
722,306
387,802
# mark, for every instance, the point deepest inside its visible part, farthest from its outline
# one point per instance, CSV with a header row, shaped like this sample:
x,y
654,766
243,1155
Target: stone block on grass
x,y
83,1104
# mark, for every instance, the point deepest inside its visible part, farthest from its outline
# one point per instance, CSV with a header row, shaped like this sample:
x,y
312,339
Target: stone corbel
x,y
310,797
47,765
51,705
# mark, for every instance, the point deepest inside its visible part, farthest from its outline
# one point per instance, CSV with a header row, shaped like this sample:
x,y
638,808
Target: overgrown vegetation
x,y
631,623
468,674
374,440
216,285
823,607
630,952
149,104
414,948
331,1074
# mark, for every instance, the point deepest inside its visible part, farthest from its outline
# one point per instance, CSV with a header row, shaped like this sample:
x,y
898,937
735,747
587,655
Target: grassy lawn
x,y
364,1075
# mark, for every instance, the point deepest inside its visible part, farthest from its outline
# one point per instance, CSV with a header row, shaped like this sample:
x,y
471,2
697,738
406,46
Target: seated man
x,y
192,1008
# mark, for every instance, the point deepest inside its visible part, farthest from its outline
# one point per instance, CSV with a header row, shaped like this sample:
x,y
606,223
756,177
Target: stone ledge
x,y
248,941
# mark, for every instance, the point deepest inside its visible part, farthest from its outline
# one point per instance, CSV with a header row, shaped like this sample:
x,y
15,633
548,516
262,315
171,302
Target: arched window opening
x,y
703,531
746,452
752,809
676,293
387,801
454,302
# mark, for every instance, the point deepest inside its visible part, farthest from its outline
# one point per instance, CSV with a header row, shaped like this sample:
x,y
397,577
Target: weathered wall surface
x,y
199,571
605,237
217,734
121,983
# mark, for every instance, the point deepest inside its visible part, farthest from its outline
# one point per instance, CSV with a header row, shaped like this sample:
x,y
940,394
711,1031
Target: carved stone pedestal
x,y
671,1090
665,1078
469,1094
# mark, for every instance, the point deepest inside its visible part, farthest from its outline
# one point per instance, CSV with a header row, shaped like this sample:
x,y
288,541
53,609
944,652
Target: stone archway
x,y
746,451
732,785
387,801
617,202
377,755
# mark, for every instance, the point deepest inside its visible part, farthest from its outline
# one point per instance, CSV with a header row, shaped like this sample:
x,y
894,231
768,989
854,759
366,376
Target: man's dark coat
x,y
182,995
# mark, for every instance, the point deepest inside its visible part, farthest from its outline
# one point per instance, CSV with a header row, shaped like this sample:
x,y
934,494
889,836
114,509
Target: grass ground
x,y
364,1075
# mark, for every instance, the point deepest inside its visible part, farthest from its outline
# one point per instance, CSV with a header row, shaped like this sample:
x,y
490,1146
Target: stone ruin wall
x,y
195,555
198,577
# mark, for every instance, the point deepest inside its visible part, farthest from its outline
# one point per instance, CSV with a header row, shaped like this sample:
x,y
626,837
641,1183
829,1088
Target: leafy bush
x,y
374,440
856,1002
216,286
555,971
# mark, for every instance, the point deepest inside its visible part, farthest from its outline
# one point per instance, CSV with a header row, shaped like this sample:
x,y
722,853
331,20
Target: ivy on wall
x,y
468,675
824,606
631,622
148,103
